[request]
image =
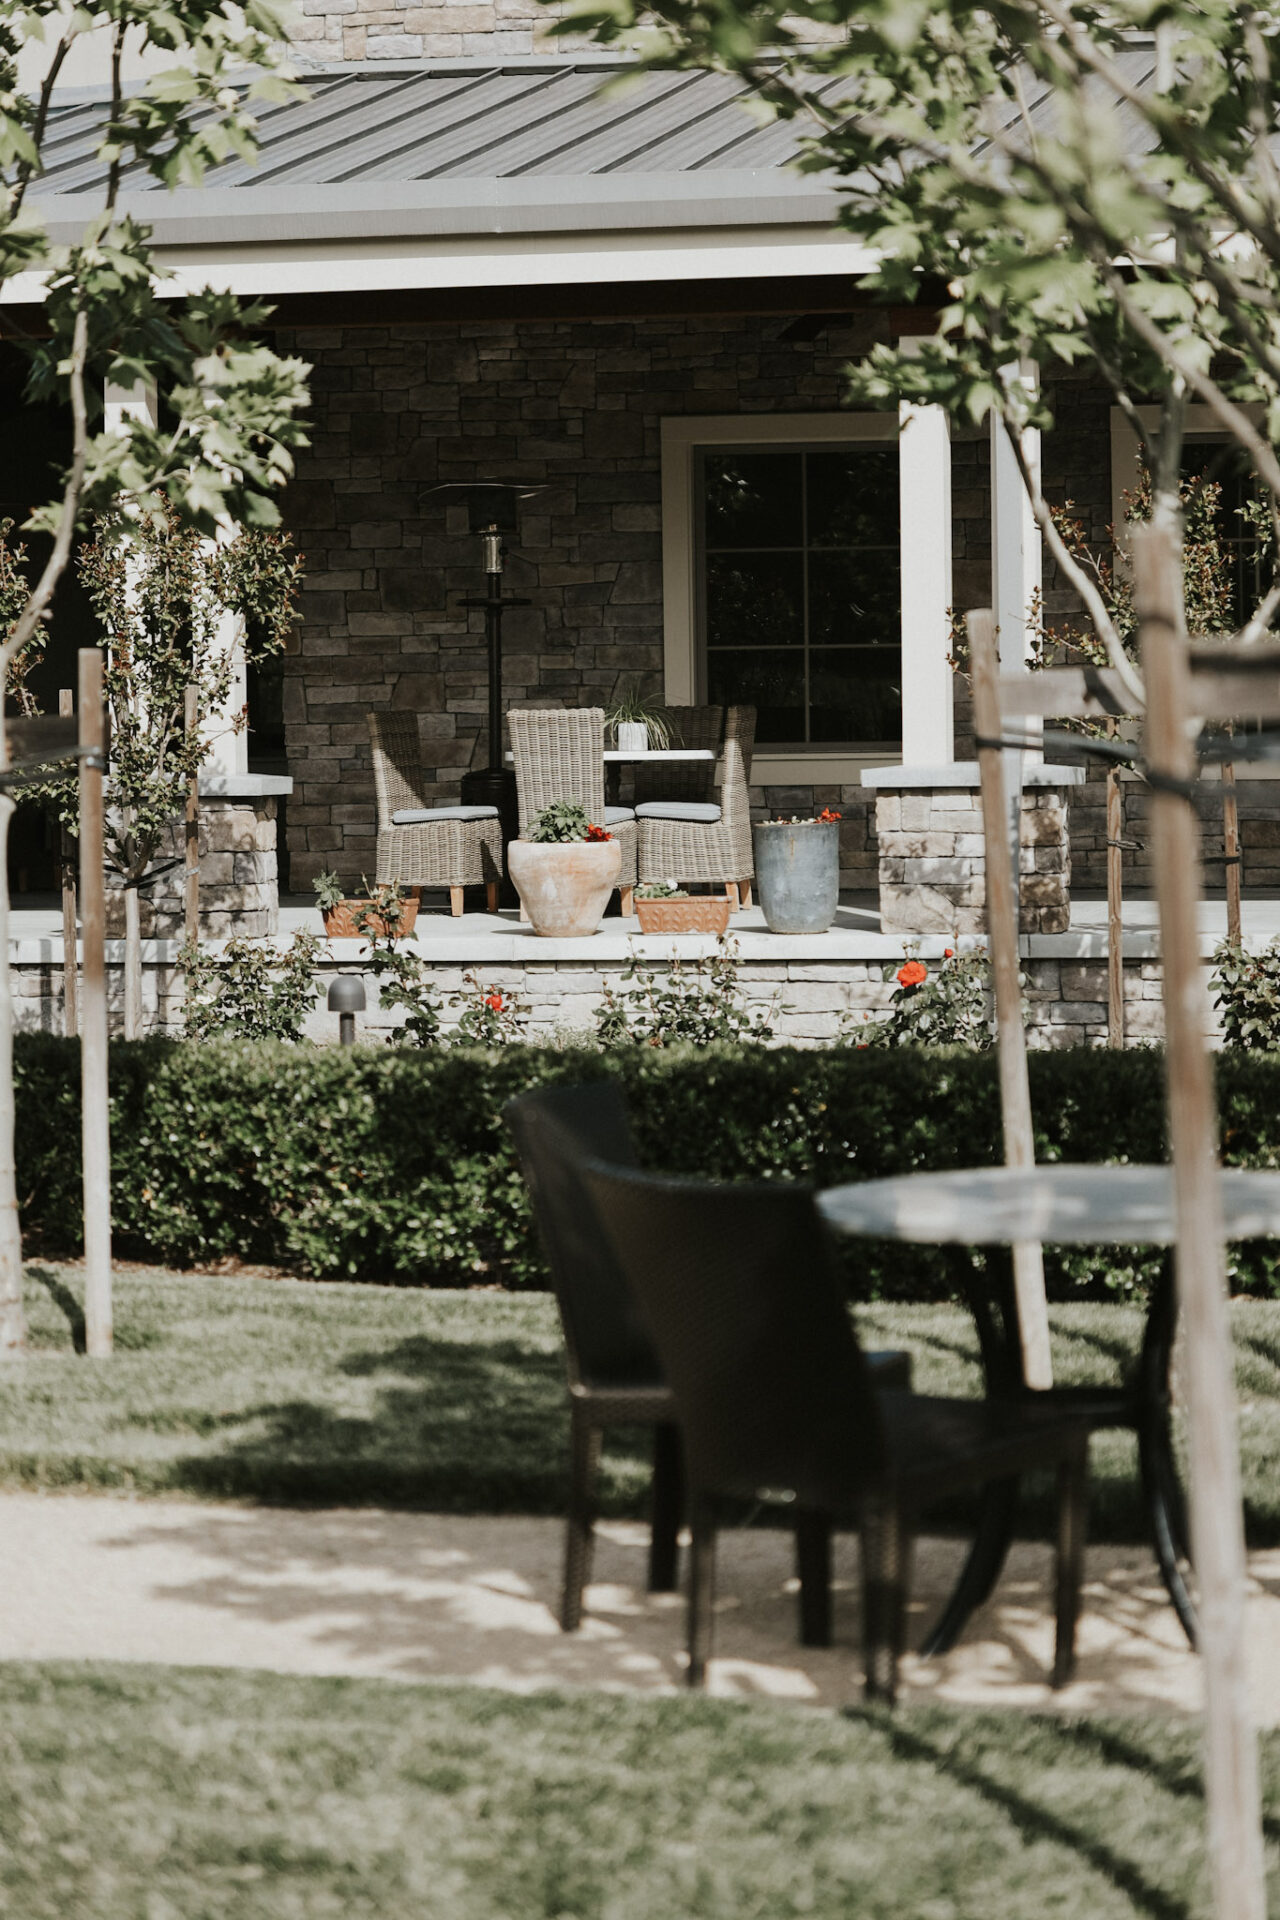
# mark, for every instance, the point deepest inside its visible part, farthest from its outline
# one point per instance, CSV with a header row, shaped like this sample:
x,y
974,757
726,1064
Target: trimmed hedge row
x,y
376,1164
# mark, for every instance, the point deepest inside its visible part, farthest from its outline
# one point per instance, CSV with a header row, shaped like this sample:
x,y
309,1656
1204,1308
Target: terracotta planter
x,y
564,884
708,913
340,921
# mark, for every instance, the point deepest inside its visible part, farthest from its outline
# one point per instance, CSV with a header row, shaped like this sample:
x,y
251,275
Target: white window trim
x,y
682,438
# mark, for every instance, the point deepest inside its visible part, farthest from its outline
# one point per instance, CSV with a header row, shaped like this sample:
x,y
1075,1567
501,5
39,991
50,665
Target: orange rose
x,y
912,974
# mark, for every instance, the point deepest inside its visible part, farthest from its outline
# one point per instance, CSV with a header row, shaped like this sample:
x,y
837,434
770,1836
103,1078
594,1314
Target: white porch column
x,y
228,747
924,495
1016,554
228,750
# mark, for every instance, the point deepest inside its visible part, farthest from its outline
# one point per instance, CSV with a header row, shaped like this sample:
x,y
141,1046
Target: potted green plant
x,y
798,872
663,908
384,911
637,721
564,871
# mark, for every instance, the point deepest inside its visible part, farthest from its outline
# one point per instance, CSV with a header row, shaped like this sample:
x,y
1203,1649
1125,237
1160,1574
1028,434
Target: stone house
x,y
630,304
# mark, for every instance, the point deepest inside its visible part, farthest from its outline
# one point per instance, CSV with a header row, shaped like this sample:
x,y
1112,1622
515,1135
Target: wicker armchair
x,y
559,755
698,840
422,846
683,779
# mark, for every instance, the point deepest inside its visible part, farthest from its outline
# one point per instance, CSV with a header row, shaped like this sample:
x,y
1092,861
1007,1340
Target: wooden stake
x,y
1217,1532
67,705
96,1139
1011,1039
191,898
1231,848
1115,903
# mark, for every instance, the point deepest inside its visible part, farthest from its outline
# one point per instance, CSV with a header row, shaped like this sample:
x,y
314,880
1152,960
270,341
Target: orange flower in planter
x,y
598,833
912,974
829,813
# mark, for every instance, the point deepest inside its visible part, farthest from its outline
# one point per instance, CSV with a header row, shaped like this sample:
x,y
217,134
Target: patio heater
x,y
492,511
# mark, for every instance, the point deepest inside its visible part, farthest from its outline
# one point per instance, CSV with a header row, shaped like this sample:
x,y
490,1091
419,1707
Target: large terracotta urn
x,y
564,884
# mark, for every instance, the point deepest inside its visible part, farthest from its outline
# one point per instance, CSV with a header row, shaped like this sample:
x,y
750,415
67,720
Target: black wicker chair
x,y
615,1377
742,1295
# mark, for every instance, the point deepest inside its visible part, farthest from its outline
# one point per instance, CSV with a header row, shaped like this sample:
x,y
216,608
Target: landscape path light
x,y
347,999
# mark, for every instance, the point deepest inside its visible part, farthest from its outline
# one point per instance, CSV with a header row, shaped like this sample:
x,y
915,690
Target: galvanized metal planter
x,y
798,873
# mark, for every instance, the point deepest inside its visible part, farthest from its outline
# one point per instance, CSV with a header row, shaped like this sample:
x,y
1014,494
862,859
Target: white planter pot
x,y
633,736
564,885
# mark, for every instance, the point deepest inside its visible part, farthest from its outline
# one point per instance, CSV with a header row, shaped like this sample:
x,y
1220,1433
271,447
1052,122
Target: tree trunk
x,y
132,966
13,1324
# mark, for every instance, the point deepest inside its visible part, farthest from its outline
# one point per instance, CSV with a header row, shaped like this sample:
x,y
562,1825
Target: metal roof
x,y
464,120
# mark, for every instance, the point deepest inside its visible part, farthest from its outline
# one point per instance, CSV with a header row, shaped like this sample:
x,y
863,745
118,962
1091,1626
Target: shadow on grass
x,y
63,1298
1039,1821
1178,1775
458,1427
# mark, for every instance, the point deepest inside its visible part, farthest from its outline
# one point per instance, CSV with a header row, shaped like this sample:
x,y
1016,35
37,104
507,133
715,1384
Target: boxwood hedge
x,y
369,1163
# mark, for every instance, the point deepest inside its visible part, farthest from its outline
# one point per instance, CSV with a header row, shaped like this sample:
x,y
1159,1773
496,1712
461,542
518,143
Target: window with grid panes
x,y
800,577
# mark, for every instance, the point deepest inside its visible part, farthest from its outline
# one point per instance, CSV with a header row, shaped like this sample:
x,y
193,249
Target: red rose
x,y
948,953
494,1000
912,974
598,833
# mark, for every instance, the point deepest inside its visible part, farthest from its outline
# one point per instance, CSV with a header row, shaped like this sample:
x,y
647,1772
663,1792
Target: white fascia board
x,y
338,267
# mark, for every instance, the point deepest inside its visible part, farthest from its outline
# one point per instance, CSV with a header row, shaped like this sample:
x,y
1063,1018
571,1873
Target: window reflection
x,y
801,591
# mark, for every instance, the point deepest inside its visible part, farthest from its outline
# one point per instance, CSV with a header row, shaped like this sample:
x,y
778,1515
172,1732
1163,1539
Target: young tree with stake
x,y
235,406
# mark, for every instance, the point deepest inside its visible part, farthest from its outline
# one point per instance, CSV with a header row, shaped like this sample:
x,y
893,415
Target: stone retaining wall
x,y
1066,999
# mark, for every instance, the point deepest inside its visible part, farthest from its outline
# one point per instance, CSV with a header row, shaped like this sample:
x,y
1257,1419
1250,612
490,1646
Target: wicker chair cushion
x,y
423,816
700,811
617,816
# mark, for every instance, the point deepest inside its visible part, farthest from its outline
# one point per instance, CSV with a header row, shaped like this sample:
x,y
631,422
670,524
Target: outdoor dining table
x,y
1000,1207
614,757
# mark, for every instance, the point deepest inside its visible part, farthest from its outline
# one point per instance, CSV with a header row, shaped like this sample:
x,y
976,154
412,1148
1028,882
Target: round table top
x,y
1001,1206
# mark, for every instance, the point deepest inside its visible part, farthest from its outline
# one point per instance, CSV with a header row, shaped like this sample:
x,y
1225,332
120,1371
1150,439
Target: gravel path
x,y
418,1597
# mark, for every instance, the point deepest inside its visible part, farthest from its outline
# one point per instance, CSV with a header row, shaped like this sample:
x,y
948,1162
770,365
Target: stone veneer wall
x,y
576,407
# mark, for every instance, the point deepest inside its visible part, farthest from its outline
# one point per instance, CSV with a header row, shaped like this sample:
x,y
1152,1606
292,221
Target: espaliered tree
x,y
233,406
175,610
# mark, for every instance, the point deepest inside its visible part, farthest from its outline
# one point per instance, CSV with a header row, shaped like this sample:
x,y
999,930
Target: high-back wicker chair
x,y
706,840
741,1292
427,846
559,755
683,779
615,1376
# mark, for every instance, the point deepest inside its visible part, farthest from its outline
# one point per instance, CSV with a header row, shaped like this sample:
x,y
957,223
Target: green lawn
x,y
140,1793
306,1392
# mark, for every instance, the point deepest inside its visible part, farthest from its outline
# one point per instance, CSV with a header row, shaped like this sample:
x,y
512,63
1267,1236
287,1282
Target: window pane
x,y
772,683
755,600
854,597
853,497
753,500
856,694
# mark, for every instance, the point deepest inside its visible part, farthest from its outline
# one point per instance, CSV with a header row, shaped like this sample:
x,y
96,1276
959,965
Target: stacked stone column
x,y
932,863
